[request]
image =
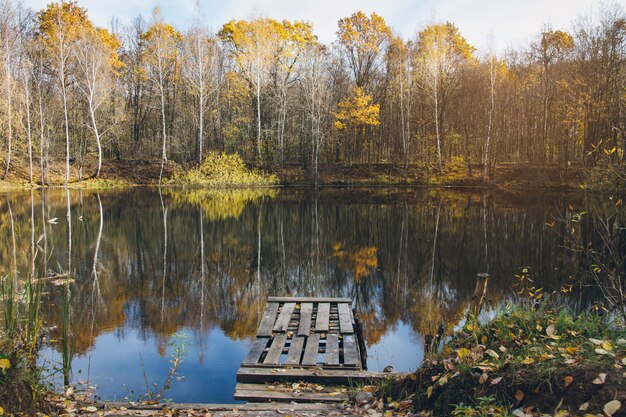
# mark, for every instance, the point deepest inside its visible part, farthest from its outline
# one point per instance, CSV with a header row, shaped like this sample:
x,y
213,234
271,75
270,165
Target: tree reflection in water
x,y
152,263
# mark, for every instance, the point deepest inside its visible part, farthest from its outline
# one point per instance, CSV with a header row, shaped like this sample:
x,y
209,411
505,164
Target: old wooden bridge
x,y
303,342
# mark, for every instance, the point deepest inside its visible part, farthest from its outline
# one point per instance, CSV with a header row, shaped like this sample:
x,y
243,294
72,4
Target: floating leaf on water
x,y
611,407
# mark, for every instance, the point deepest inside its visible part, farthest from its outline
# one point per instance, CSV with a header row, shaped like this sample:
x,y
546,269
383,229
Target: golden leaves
x,y
357,110
463,353
363,34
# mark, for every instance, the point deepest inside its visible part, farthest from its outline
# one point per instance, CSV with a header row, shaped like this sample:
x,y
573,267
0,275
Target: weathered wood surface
x,y
310,350
265,409
322,319
256,350
306,311
291,329
308,339
284,317
262,392
276,349
331,356
335,375
308,300
267,322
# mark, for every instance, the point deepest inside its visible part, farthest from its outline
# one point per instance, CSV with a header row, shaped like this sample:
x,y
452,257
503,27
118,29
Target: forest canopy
x,y
73,93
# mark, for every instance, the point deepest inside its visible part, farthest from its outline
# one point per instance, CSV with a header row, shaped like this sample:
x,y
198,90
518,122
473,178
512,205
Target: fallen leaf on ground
x,y
519,395
492,354
496,381
463,353
568,380
483,378
600,379
611,407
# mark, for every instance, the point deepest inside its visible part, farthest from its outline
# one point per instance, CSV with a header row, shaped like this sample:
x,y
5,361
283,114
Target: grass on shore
x,y
529,360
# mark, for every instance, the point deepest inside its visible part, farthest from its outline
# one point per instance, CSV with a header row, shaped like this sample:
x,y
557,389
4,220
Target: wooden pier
x,y
302,343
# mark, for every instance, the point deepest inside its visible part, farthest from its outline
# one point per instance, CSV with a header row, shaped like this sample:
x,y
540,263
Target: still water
x,y
147,268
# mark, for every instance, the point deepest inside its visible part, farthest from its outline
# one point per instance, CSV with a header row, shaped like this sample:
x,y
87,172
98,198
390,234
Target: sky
x,y
512,22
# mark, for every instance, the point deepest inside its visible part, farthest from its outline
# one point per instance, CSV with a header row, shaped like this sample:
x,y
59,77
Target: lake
x,y
149,270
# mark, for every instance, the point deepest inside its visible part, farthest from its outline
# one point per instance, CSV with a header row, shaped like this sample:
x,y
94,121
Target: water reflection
x,y
139,266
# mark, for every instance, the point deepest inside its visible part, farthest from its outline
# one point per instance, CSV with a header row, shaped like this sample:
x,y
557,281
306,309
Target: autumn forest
x,y
74,94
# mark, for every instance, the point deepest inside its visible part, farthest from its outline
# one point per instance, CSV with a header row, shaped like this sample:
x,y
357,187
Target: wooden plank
x,y
311,349
345,318
321,322
232,408
295,351
267,322
331,376
276,349
306,310
308,300
284,317
332,349
256,350
260,393
350,355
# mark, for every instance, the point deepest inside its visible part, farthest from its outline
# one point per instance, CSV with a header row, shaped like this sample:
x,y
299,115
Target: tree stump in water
x,y
478,299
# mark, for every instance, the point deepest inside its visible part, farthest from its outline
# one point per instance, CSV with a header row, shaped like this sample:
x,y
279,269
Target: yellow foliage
x,y
60,24
360,261
364,34
223,170
357,110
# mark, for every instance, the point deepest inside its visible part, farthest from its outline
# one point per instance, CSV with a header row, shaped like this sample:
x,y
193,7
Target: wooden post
x,y
358,328
476,304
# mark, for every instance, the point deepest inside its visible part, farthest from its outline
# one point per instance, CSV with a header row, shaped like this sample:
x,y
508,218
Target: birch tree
x,y
59,27
201,72
441,53
161,61
97,62
317,95
252,46
8,33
